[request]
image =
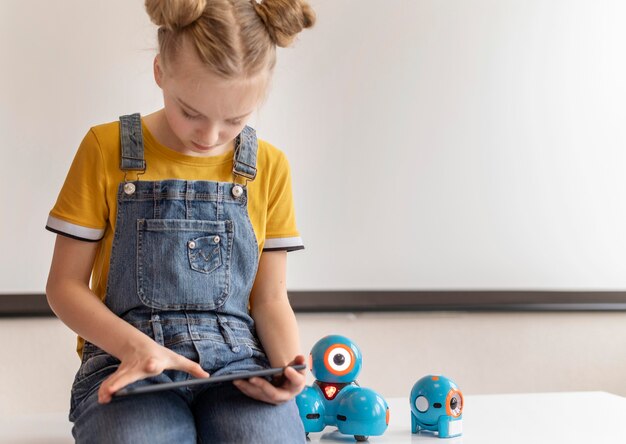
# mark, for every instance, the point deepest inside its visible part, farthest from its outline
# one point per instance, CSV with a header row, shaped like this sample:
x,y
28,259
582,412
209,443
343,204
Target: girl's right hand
x,y
72,300
139,363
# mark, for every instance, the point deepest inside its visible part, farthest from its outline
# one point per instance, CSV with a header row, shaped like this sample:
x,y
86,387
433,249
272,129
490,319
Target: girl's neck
x,y
159,128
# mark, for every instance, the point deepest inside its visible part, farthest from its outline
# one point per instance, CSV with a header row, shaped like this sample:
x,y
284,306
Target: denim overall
x,y
183,262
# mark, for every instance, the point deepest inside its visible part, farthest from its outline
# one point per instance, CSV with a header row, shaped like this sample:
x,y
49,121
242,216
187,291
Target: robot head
x,y
335,359
435,396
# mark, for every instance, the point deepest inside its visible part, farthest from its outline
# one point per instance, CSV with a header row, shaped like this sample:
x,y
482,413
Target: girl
x,y
182,220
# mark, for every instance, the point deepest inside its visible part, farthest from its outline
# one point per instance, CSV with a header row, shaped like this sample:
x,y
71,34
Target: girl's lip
x,y
203,147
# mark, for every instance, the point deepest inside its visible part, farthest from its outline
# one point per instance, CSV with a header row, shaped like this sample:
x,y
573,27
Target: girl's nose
x,y
208,135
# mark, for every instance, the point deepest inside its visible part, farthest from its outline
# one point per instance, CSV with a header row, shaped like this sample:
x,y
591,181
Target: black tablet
x,y
197,381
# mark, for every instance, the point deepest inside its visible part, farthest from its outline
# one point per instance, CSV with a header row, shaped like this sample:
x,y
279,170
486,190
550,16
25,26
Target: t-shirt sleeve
x,y
81,211
281,232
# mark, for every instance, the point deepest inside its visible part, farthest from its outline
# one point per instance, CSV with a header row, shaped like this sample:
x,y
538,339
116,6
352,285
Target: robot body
x,y
335,399
437,406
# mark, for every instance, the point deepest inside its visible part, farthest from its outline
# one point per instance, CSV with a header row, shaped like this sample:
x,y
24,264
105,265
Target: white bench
x,y
543,418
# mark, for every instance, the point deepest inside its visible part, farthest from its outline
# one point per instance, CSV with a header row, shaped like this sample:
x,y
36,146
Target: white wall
x,y
434,143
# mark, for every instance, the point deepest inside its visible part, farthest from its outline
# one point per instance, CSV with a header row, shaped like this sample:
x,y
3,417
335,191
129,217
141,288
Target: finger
x,y
125,375
246,387
299,360
191,367
293,375
268,392
257,393
294,380
253,390
108,386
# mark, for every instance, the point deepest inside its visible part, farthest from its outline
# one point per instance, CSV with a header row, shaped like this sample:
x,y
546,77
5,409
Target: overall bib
x,y
183,261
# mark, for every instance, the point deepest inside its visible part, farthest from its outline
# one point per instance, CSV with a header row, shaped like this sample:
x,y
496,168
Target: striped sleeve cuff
x,y
74,231
283,244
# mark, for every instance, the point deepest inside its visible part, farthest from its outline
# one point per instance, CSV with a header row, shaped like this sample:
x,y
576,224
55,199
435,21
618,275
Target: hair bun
x,y
284,19
175,14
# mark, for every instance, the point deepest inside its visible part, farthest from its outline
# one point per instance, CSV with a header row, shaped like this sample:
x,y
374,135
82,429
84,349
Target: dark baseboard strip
x,y
24,306
36,305
457,300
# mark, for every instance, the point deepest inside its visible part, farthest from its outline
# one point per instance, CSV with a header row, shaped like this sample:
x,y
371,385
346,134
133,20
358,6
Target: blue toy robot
x,y
335,399
437,406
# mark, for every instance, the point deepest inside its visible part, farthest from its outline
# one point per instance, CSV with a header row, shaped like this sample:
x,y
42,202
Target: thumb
x,y
299,359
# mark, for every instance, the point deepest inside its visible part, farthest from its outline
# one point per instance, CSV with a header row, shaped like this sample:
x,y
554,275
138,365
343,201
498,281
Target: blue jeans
x,y
218,414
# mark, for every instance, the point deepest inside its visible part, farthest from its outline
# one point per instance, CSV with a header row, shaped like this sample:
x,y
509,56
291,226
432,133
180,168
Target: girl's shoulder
x,y
99,143
270,157
107,133
103,139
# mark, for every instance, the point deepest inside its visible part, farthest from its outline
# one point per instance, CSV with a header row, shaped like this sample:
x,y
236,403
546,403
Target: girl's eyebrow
x,y
179,100
198,112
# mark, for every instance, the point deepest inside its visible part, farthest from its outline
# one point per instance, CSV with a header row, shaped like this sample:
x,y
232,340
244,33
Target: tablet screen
x,y
198,381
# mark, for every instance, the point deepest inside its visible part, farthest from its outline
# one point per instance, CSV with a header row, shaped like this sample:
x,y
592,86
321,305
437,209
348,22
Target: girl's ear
x,y
158,71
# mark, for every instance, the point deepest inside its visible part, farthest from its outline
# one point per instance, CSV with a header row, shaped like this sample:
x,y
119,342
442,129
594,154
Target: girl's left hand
x,y
263,390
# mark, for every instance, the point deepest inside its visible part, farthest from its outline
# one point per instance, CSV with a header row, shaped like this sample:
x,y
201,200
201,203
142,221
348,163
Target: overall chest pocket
x,y
183,264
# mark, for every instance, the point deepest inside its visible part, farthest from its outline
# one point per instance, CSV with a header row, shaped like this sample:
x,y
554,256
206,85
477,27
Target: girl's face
x,y
204,113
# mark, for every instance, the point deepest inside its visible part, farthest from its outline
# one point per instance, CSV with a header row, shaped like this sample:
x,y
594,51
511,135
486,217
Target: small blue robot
x,y
437,406
335,399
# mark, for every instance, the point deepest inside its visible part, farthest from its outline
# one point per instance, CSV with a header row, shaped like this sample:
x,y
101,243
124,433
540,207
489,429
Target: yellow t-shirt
x,y
86,208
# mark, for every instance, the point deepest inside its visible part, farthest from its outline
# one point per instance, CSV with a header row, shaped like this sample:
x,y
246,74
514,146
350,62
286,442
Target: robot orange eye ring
x,y
454,403
339,359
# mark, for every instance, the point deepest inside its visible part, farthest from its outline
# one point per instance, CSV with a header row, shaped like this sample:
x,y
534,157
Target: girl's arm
x,y
81,310
277,329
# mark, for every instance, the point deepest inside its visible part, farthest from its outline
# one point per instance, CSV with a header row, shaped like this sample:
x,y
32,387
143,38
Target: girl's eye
x,y
235,122
189,116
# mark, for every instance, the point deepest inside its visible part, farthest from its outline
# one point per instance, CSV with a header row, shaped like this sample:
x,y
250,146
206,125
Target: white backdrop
x,y
453,144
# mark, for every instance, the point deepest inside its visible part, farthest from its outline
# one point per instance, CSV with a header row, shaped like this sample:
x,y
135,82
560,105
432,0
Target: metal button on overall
x,y
237,191
129,188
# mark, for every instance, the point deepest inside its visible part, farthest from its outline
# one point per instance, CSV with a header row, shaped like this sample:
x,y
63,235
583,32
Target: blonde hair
x,y
233,38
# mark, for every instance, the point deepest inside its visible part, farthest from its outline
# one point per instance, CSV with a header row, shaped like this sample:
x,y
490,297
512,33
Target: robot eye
x,y
455,403
421,403
340,359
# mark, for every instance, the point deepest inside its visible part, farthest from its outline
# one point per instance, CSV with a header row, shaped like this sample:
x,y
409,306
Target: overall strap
x,y
131,138
244,162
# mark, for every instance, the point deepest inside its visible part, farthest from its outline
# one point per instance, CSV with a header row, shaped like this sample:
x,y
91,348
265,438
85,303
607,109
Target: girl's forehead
x,y
193,82
212,97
